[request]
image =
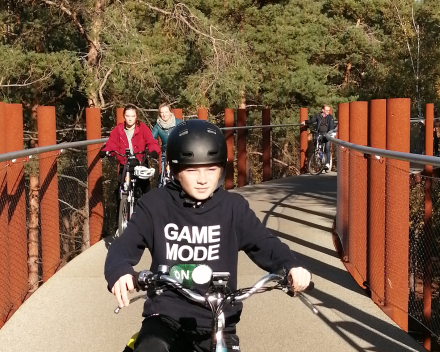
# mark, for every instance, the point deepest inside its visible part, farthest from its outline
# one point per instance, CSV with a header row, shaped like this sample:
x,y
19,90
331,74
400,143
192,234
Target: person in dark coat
x,y
325,122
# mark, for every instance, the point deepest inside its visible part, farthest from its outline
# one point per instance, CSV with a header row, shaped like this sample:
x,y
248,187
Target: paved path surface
x,y
73,311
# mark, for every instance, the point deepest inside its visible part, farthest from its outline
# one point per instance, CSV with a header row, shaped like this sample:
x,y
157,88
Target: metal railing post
x,y
229,136
202,114
376,203
5,296
178,113
303,141
119,115
357,201
241,147
94,172
48,179
343,168
427,227
397,212
17,235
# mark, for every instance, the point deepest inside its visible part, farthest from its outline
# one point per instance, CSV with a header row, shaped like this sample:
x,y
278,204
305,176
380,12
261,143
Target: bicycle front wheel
x,y
124,214
316,163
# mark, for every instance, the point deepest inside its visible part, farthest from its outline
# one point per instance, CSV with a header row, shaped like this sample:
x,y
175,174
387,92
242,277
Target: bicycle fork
x,y
218,341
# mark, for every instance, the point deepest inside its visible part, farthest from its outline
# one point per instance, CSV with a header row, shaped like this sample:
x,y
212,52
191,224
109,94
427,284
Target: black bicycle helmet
x,y
196,142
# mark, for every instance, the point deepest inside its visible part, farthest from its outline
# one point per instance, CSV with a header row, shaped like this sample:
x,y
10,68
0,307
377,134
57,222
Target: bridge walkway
x,y
73,311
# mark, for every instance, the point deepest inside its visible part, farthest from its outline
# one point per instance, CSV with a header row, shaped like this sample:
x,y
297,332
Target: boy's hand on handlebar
x,y
299,278
120,288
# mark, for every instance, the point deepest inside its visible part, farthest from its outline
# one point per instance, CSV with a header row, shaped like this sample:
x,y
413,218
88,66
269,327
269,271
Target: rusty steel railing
x,y
386,229
53,197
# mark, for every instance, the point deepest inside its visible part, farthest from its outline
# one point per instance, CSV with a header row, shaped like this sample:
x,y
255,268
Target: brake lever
x,y
307,302
134,299
302,297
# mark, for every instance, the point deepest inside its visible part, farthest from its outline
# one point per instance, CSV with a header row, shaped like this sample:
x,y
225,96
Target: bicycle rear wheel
x,y
316,163
124,214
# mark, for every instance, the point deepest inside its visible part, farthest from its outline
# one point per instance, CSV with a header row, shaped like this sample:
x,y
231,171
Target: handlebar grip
x,y
142,280
291,291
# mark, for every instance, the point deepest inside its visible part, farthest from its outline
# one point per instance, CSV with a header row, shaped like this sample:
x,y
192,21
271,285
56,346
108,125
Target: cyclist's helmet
x,y
196,142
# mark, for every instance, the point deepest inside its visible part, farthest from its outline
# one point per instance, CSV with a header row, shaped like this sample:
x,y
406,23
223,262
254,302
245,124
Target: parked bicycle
x,y
318,159
198,283
128,192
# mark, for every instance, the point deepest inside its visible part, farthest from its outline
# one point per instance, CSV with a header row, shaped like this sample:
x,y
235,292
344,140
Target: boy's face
x,y
199,181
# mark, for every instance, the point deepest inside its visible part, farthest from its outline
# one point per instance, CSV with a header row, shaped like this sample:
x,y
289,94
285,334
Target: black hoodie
x,y
175,231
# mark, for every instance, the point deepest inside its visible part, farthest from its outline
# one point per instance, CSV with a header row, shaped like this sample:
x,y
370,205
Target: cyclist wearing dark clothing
x,y
325,123
193,220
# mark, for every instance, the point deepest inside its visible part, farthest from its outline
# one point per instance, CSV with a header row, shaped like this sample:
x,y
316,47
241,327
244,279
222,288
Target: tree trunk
x,y
349,65
34,211
242,104
94,56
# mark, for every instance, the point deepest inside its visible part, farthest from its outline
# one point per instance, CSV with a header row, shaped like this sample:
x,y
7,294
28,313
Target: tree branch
x,y
27,84
73,16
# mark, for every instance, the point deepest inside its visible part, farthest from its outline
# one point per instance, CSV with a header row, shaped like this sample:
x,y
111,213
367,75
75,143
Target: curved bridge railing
x,y
387,230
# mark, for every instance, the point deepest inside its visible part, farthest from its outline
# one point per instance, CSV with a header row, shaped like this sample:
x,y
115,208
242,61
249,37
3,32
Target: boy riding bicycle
x,y
193,220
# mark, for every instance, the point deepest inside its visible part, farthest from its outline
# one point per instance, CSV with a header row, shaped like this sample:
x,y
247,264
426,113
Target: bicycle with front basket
x,y
128,192
198,283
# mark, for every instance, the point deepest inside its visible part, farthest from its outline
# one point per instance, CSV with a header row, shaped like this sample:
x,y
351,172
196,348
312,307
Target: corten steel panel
x,y
17,235
229,135
397,212
266,145
343,164
427,239
119,115
202,114
241,147
94,170
303,141
49,211
5,297
376,202
357,187
178,113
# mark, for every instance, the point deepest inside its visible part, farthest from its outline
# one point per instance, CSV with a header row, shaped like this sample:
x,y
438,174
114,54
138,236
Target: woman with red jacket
x,y
136,136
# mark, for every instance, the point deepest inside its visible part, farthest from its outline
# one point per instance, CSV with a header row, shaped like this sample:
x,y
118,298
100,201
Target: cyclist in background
x,y
136,136
325,123
193,219
166,121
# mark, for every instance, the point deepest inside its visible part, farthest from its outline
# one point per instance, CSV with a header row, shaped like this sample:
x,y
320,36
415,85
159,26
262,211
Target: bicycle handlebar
x,y
109,152
146,279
